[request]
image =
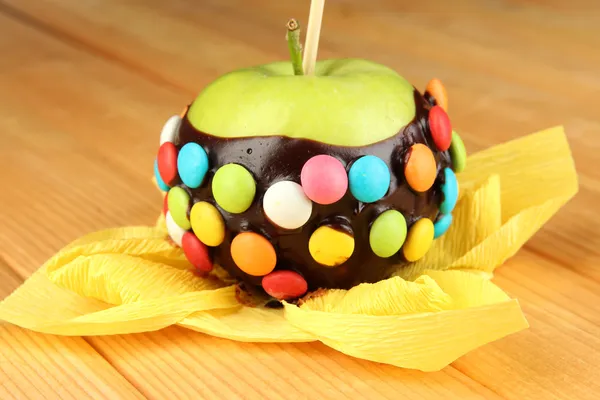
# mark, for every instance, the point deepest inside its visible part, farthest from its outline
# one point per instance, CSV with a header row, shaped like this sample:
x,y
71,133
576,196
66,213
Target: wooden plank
x,y
33,365
9,279
36,366
557,357
72,156
178,363
160,364
105,50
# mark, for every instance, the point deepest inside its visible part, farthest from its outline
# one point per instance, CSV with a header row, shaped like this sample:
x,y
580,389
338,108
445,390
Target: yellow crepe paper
x,y
134,279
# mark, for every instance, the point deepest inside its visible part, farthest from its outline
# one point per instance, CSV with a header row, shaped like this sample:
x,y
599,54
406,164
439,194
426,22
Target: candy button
x,y
442,225
167,162
175,231
441,129
253,254
192,164
420,169
419,239
330,247
369,179
159,181
324,179
165,204
450,191
436,89
284,285
286,205
388,233
179,202
170,131
207,224
233,188
196,252
458,153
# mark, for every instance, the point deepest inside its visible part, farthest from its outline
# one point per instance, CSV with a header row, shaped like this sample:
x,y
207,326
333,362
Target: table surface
x,y
85,87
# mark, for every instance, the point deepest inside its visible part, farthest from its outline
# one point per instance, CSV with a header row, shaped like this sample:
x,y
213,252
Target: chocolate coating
x,y
274,158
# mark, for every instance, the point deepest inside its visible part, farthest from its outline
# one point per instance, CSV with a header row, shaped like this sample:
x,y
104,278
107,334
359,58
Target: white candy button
x,y
286,205
175,231
170,132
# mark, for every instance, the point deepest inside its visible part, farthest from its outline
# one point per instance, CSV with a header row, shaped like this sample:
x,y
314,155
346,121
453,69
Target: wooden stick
x,y
313,32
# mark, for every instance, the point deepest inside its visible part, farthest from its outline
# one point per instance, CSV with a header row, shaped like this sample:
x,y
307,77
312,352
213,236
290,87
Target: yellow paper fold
x,y
247,324
507,193
476,313
133,279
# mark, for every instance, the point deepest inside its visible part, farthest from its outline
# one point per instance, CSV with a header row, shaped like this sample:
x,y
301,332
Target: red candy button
x,y
167,162
196,252
165,204
441,130
284,285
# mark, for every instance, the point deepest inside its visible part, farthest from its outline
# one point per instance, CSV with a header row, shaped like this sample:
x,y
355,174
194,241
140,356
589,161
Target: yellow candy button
x,y
418,242
330,247
207,224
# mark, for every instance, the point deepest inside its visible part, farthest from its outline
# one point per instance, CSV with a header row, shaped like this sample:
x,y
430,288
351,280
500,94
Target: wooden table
x,y
85,87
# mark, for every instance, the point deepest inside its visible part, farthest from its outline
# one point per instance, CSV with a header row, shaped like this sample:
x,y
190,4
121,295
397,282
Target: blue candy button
x,y
369,179
192,164
450,191
161,184
442,225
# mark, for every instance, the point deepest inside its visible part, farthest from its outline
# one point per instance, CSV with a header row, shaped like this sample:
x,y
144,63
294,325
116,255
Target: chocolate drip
x,y
274,158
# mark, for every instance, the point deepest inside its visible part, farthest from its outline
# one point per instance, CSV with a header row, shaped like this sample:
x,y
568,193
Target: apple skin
x,y
348,102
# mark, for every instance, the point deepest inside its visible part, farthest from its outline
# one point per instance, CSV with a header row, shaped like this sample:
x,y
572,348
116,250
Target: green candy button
x,y
234,188
179,202
458,153
388,233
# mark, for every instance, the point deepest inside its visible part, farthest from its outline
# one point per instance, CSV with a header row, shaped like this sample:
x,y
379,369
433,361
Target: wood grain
x,y
177,363
9,279
86,86
36,366
557,357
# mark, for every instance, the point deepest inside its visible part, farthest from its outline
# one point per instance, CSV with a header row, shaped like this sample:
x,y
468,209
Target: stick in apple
x,y
312,36
293,39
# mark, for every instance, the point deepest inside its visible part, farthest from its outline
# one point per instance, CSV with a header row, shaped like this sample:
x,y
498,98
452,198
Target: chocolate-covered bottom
x,y
275,158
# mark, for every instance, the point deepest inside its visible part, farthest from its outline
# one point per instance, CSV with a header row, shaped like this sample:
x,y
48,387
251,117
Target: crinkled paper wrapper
x,y
133,279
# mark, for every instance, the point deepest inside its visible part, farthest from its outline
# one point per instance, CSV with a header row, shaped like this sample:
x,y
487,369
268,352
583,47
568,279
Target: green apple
x,y
349,102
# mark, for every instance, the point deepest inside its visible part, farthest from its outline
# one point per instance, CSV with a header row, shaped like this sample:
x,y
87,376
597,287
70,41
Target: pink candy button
x,y
324,179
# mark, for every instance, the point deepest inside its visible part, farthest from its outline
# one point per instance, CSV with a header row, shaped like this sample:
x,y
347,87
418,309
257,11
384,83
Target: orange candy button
x,y
438,91
253,254
420,169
